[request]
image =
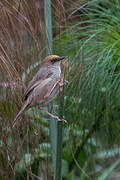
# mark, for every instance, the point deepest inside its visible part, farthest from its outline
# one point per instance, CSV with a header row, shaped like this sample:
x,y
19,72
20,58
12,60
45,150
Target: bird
x,y
44,87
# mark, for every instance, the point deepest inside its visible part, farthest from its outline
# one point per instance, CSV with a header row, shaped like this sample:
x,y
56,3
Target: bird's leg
x,y
48,94
57,83
53,116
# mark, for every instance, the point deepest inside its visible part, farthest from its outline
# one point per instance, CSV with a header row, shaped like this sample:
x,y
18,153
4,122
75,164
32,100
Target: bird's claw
x,y
64,83
63,120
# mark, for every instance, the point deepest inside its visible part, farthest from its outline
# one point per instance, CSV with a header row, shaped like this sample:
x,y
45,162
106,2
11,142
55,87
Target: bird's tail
x,y
23,109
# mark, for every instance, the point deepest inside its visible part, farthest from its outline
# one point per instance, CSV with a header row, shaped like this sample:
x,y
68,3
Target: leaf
x,y
108,171
24,162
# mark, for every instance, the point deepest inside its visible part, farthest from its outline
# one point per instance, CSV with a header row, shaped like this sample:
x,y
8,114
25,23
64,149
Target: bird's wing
x,y
44,92
41,75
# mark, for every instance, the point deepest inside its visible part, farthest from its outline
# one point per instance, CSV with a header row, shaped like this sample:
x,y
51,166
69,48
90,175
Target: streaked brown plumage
x,y
44,86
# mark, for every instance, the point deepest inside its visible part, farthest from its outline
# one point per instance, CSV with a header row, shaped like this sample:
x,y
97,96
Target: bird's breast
x,y
56,71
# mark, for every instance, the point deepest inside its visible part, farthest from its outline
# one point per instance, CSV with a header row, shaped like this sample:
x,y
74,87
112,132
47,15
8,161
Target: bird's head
x,y
53,60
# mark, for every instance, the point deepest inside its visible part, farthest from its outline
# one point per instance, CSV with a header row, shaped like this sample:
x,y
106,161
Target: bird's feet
x,y
53,116
58,119
64,83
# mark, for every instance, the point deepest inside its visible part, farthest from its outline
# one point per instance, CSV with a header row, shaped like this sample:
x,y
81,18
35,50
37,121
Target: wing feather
x,y
41,75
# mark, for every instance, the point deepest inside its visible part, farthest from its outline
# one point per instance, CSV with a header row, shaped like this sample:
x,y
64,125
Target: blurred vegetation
x,y
88,32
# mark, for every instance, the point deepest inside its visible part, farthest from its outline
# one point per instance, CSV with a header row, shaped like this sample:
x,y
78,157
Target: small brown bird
x,y
44,86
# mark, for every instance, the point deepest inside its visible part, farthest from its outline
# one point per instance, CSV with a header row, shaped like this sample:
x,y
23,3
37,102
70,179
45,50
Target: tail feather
x,y
23,109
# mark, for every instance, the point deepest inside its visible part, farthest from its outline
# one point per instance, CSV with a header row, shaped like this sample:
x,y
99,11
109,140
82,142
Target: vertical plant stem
x,y
48,24
58,173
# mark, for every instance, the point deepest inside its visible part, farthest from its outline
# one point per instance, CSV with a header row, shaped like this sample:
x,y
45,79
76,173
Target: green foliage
x,y
26,161
92,97
108,171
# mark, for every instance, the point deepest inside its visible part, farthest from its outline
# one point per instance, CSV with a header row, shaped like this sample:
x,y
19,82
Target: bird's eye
x,y
54,60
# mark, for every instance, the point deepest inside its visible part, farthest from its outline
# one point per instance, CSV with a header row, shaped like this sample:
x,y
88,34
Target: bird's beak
x,y
62,57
